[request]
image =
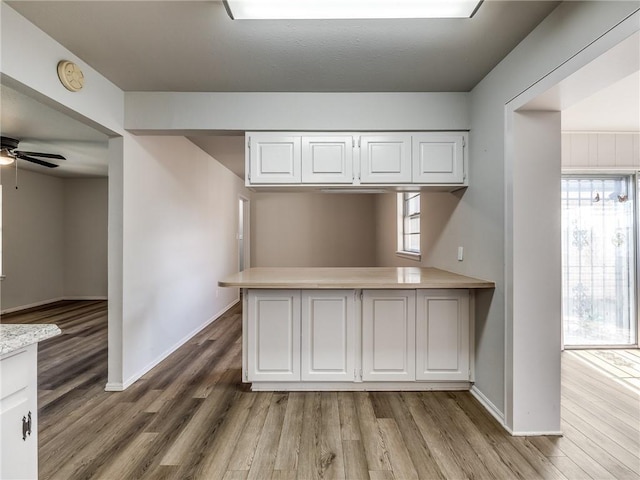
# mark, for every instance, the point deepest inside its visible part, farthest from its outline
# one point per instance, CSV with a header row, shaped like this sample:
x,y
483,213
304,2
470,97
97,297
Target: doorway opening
x,y
598,261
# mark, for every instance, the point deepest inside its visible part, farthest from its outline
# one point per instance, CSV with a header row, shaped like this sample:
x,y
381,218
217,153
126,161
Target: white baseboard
x,y
136,376
87,298
46,302
113,387
499,416
488,406
552,433
32,305
358,386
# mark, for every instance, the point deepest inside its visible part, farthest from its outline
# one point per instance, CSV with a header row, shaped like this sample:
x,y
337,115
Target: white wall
x,y
85,237
179,238
54,239
313,230
193,112
600,151
573,35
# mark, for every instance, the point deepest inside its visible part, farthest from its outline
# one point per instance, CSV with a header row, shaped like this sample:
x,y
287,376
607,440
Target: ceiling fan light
x,y
349,9
6,158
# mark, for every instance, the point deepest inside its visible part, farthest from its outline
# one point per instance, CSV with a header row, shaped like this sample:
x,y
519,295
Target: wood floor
x,y
192,418
621,365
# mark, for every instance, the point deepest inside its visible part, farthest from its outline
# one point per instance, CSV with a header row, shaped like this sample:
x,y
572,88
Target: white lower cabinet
x,y
273,335
341,336
442,335
388,335
19,414
328,335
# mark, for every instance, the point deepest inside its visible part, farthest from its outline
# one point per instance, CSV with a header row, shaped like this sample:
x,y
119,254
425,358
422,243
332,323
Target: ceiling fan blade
x,y
22,156
40,154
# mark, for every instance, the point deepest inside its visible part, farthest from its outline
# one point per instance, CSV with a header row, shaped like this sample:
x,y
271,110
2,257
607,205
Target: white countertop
x,y
15,336
352,278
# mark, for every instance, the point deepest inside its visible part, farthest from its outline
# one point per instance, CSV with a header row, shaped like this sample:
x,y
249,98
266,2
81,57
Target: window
x,y
409,225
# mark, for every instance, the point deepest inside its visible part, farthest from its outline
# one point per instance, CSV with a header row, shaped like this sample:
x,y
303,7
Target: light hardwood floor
x,y
192,418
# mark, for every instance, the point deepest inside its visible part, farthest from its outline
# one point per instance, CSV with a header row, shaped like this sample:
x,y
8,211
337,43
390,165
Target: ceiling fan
x,y
8,154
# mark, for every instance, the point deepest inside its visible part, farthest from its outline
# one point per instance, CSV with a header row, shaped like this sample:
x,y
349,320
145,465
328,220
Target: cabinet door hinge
x,y
464,142
246,375
249,142
359,142
360,374
353,142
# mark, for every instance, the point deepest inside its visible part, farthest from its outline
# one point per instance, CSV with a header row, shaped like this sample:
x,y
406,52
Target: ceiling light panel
x,y
349,9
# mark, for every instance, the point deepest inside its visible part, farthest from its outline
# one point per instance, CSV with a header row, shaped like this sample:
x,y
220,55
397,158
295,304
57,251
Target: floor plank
x,y
192,417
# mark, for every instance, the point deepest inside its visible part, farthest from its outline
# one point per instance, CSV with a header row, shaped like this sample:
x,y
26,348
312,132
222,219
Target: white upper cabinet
x,y
438,158
273,158
327,160
385,159
429,160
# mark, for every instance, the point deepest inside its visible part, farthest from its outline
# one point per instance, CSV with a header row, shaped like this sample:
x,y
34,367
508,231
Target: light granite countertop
x,y
15,336
348,278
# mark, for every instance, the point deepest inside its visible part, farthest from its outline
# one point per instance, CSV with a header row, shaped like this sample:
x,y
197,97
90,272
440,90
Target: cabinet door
x,y
273,332
327,159
273,158
328,335
388,335
442,329
385,158
18,401
438,158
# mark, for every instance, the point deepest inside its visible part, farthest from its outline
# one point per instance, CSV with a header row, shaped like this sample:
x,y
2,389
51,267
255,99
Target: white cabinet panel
x,y
442,329
274,159
385,158
388,335
438,158
327,159
274,335
19,410
328,335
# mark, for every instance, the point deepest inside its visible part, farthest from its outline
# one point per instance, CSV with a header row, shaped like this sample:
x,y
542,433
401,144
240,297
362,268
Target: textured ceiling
x,y
40,128
195,46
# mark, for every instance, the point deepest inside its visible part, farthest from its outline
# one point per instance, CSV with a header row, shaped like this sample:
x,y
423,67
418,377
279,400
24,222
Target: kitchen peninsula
x,y
375,328
19,397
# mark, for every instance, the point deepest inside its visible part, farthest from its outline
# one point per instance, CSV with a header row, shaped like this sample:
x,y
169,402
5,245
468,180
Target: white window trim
x,y
400,252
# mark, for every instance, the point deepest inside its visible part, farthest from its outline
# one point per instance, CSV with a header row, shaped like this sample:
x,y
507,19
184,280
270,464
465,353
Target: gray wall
x,y
54,234
85,237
